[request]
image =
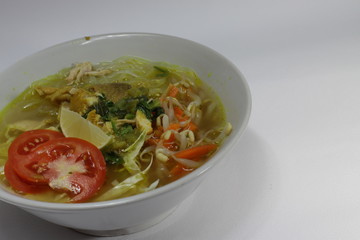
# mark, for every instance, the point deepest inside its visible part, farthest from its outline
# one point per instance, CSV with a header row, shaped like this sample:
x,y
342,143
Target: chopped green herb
x,y
163,71
125,130
129,116
151,108
114,127
126,107
157,111
113,158
102,106
145,108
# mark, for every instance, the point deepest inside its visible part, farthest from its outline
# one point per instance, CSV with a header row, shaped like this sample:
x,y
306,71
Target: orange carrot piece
x,y
170,143
158,132
153,141
174,126
172,90
179,114
178,111
191,126
196,152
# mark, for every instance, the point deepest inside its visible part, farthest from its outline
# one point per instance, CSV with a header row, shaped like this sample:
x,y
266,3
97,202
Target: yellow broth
x,y
142,75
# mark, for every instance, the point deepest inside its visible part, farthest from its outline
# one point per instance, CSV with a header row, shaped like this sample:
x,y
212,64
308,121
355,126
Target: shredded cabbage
x,y
128,184
171,121
131,152
4,151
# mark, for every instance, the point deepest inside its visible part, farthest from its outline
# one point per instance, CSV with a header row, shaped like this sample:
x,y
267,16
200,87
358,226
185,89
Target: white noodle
x,y
185,123
205,135
197,117
218,139
181,89
148,151
161,170
210,109
176,102
187,162
195,112
164,150
195,97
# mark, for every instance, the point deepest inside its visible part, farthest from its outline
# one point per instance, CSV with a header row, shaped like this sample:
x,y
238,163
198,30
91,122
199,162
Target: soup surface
x,y
97,132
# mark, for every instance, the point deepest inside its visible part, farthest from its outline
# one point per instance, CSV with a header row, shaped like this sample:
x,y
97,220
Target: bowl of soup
x,y
108,134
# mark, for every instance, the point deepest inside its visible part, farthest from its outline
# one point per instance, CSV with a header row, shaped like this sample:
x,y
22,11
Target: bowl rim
x,y
14,199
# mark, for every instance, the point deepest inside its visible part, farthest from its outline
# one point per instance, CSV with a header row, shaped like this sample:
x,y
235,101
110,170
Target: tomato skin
x,y
18,184
30,140
25,145
71,165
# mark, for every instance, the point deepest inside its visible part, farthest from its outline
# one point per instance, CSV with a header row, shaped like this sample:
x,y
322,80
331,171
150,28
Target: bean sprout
x,y
187,162
162,121
147,151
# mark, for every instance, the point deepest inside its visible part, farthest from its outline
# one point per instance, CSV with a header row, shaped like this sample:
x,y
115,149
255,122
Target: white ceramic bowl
x,y
141,211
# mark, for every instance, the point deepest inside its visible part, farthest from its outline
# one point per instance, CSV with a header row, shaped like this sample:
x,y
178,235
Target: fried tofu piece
x,y
81,100
95,119
142,122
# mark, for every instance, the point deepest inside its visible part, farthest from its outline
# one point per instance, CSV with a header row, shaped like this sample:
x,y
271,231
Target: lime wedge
x,y
74,125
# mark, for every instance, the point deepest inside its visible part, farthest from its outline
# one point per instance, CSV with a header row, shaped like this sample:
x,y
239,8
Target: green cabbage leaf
x,y
135,183
132,152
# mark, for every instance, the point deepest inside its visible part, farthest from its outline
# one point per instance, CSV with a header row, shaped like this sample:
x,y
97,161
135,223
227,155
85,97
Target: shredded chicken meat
x,y
80,99
83,69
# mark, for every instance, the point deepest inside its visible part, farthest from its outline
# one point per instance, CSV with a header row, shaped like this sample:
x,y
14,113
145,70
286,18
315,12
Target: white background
x,y
295,174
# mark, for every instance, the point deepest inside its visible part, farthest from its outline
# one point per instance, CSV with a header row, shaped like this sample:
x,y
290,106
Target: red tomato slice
x,y
18,184
68,165
25,145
